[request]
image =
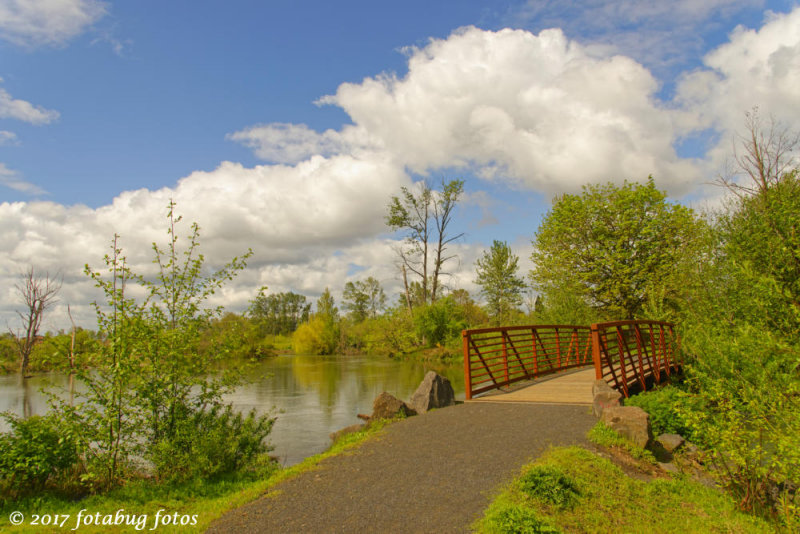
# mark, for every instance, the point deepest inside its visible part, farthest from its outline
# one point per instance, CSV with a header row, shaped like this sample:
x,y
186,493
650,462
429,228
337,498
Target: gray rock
x,y
435,391
671,442
669,467
629,421
604,396
388,407
346,430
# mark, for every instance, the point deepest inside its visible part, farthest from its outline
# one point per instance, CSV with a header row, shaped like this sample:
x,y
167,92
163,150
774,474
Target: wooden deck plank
x,y
564,388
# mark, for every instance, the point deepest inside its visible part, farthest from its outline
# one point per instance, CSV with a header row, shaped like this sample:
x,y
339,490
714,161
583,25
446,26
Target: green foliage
x,y
500,285
439,322
313,337
364,299
322,334
609,245
238,337
36,450
743,327
278,314
209,443
669,408
550,485
611,501
565,306
151,382
516,519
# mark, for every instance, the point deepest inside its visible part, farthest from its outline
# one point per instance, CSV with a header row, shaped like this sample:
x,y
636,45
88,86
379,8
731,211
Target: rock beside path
x,y
435,391
629,421
387,406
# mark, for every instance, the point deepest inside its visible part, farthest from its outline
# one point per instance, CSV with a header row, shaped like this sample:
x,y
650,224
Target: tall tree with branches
x,y
38,292
424,216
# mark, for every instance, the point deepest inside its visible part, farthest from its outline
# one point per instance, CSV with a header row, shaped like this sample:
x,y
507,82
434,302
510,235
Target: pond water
x,y
311,396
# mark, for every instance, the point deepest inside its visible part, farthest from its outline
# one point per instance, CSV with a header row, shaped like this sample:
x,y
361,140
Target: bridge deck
x,y
569,387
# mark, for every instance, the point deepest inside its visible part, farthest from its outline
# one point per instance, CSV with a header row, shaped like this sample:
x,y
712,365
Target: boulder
x,y
346,430
387,406
604,396
671,442
435,391
629,421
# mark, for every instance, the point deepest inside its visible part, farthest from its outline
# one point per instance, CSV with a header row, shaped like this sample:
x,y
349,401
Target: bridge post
x,y
598,364
467,367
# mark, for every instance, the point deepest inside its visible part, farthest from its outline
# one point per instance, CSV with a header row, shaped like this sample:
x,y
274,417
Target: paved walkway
x,y
434,473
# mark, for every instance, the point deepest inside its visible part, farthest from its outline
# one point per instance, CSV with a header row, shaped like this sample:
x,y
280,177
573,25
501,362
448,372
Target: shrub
x,y
550,485
37,449
210,443
668,408
517,519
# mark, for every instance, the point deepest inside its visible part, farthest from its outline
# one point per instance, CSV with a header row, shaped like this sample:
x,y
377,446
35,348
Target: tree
x,y
767,155
38,293
497,276
611,246
279,313
151,393
423,215
363,299
744,326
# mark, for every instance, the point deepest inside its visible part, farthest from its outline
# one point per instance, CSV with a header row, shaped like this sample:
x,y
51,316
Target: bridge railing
x,y
497,357
627,354
630,355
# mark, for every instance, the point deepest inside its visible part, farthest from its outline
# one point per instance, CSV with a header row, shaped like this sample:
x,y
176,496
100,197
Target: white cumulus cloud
x,y
755,68
34,23
13,108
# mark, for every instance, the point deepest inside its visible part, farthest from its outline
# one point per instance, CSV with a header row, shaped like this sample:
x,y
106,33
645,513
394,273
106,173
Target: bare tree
x,y
443,206
425,216
768,152
38,293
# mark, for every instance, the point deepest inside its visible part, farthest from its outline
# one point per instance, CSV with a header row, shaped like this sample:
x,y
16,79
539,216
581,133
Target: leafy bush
x,y
439,322
669,407
37,449
210,443
517,519
551,485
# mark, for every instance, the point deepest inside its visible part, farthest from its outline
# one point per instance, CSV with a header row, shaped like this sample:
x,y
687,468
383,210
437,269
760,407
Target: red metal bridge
x,y
630,355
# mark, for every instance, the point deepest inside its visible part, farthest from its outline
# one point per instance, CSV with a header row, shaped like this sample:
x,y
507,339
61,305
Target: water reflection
x,y
311,396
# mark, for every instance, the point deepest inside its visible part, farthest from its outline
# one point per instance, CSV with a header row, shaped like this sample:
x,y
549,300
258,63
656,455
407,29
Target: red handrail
x,y
500,356
497,357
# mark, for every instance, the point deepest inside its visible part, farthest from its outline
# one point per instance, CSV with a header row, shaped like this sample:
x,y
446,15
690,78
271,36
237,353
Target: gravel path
x,y
431,473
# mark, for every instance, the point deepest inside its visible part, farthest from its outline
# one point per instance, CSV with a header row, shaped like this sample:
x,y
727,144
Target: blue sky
x,y
285,126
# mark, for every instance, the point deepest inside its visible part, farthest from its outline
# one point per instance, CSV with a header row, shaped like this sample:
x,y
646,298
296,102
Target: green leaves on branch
x,y
500,285
613,246
151,385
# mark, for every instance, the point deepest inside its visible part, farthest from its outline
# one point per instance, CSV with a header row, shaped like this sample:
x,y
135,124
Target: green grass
x,y
206,500
606,437
601,498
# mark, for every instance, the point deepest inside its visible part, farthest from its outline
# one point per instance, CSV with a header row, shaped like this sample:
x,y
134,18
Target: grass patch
x,y
604,499
604,436
205,500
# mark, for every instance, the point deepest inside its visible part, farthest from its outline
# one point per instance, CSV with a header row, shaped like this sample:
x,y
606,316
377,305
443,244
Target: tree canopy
x,y
497,275
615,247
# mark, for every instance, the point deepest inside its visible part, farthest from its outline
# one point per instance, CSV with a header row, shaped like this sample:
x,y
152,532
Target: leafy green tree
x,y
278,313
151,392
497,276
610,245
321,334
363,299
743,325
